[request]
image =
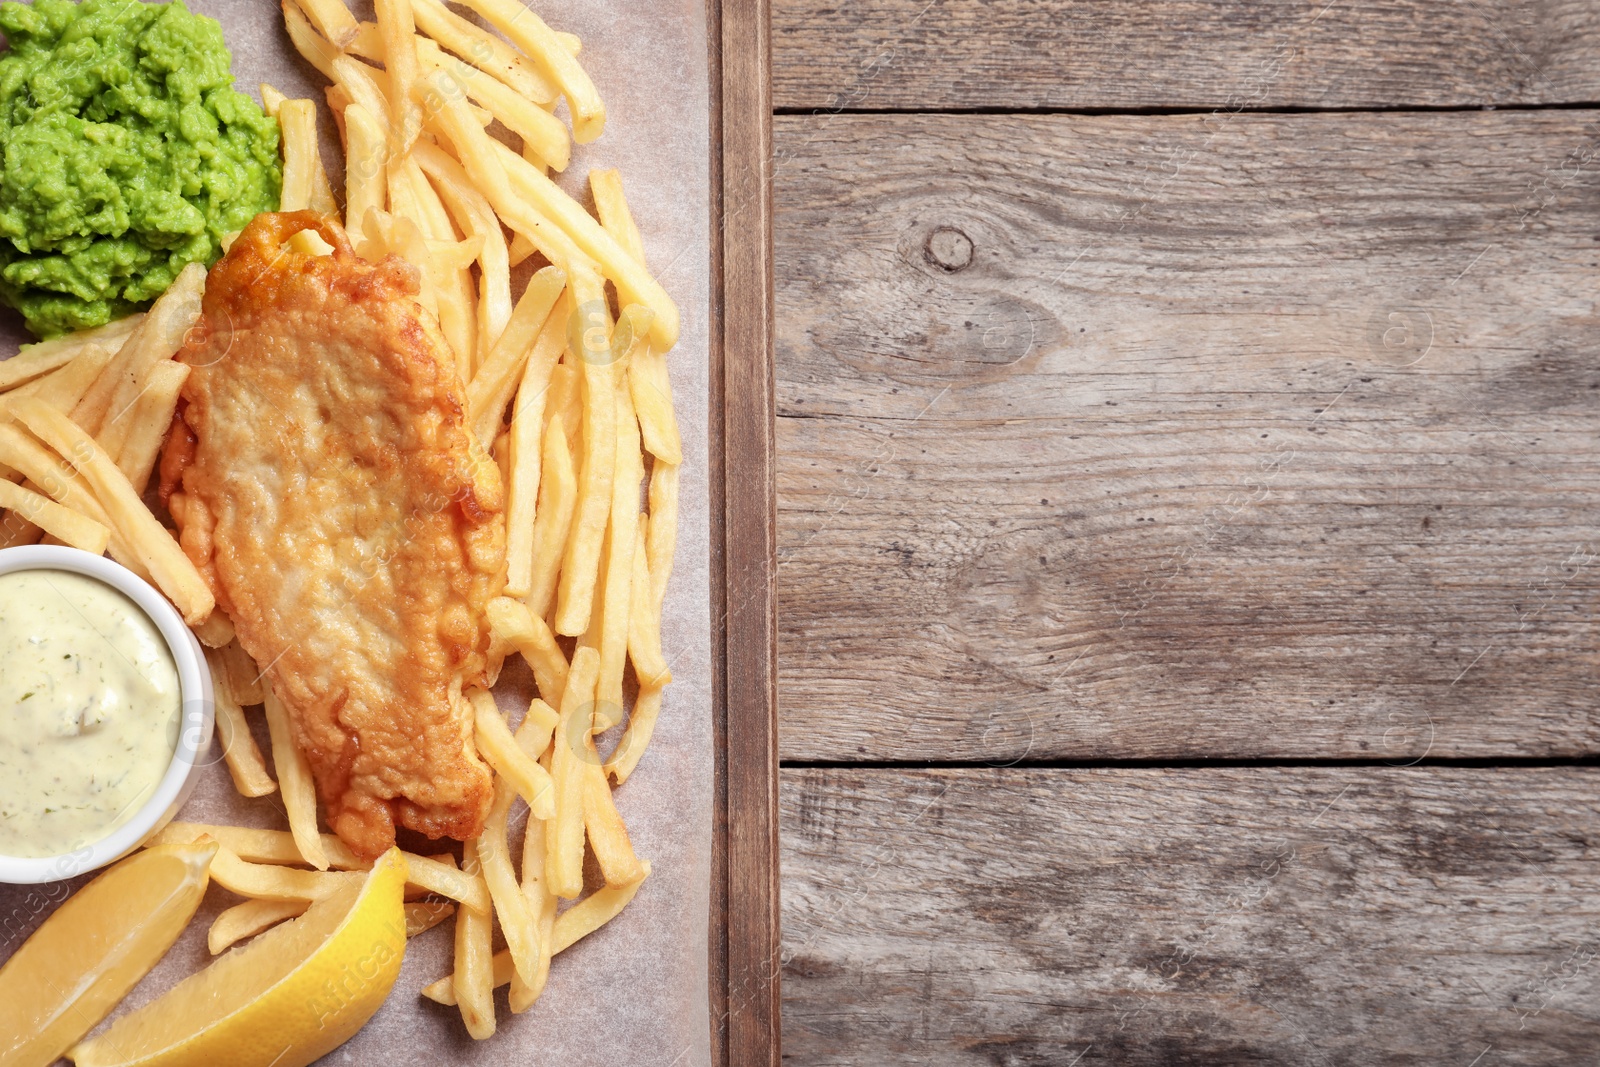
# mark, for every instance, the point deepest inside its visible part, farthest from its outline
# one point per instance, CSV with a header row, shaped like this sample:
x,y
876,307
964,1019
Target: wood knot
x,y
948,249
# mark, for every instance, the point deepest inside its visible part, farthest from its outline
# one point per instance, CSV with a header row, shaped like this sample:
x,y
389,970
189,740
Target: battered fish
x,y
325,481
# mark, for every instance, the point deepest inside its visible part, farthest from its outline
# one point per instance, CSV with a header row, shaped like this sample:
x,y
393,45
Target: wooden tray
x,y
744,889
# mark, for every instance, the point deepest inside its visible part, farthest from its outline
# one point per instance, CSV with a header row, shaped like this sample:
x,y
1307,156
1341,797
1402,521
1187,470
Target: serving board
x,y
738,688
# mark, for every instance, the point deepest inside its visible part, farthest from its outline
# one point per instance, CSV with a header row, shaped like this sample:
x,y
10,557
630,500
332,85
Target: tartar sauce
x,y
89,711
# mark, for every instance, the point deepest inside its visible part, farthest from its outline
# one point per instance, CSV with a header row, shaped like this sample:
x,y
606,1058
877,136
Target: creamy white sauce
x,y
89,711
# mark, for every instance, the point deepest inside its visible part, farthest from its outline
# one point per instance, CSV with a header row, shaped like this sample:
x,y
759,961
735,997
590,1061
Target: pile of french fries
x,y
82,422
450,135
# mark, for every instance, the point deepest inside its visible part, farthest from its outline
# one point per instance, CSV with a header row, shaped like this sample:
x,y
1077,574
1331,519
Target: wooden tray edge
x,y
744,897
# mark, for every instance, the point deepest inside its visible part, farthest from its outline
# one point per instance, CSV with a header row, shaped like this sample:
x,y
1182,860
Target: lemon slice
x,y
85,957
295,993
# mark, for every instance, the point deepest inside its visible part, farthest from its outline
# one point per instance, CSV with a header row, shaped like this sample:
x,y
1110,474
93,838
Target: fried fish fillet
x,y
326,482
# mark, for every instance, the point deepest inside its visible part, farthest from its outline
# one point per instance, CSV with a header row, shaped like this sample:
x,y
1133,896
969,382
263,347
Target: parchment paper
x,y
636,991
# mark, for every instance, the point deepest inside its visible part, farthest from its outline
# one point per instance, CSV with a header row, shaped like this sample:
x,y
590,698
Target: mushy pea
x,y
125,155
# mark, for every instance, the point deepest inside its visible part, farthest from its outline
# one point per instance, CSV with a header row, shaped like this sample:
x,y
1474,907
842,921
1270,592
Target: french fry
x,y
63,387
245,765
154,547
451,115
397,29
475,216
552,524
647,368
74,529
499,747
277,847
566,396
244,677
537,729
521,249
216,631
595,910
425,874
424,915
510,905
416,892
531,636
484,50
522,492
529,33
54,476
338,101
452,283
607,834
636,738
403,205
33,361
634,283
104,408
535,735
16,531
573,745
617,559
652,401
580,567
150,421
543,904
605,185
396,234
541,131
630,335
332,19
435,876
310,243
644,626
474,977
308,40
298,121
364,86
533,334
455,255
271,100
571,926
294,778
368,43
62,350
322,199
249,919
262,881
366,171
663,530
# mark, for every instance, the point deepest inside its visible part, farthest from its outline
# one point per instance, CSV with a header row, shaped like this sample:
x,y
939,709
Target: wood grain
x,y
1201,54
1219,917
745,942
1170,436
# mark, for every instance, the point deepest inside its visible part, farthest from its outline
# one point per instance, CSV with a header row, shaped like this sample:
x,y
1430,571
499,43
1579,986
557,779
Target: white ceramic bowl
x,y
194,733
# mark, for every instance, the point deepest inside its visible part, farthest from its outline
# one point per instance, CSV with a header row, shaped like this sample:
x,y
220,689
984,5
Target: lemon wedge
x,y
292,995
84,958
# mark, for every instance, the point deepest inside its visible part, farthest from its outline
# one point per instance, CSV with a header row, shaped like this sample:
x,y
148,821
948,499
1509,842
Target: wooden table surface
x,y
1189,531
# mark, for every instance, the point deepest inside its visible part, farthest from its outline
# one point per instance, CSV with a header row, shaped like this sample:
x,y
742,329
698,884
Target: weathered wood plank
x,y
1323,917
1170,436
1225,54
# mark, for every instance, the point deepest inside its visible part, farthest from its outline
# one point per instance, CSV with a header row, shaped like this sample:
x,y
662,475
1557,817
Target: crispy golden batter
x,y
325,481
